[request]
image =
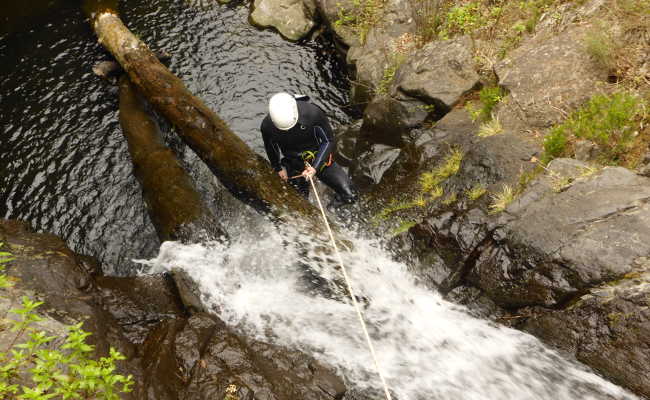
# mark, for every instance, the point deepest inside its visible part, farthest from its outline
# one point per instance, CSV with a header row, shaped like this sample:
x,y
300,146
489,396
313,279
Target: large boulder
x,y
294,19
548,75
600,229
381,45
439,73
428,84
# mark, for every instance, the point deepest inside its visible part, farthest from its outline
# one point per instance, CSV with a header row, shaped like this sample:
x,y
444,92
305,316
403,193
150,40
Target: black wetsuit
x,y
312,140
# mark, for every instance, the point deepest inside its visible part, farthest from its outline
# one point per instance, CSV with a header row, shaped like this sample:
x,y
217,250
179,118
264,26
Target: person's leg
x,y
294,167
335,177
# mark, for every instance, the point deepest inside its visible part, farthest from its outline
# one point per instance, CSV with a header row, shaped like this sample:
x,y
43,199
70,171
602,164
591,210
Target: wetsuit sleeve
x,y
325,139
272,149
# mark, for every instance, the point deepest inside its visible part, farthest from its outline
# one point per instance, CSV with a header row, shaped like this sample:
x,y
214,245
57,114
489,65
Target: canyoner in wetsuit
x,y
299,142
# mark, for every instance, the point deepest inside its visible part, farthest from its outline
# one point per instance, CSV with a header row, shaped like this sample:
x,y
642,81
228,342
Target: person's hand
x,y
283,174
308,172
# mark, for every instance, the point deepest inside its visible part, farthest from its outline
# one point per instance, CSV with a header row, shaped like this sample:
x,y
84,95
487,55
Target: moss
x,y
403,227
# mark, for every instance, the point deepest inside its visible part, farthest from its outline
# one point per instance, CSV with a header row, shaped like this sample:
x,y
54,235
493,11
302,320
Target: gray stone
x,y
379,49
548,76
292,18
440,73
372,164
585,150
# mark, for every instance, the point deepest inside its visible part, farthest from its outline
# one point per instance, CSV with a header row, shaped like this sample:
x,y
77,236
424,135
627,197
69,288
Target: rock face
x,y
569,257
202,359
548,74
607,328
292,18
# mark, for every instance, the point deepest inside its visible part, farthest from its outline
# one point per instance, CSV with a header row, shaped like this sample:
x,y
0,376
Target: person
x,y
300,144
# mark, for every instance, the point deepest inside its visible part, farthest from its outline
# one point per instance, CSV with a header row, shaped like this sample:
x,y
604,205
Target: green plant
x,y
403,227
463,19
555,143
476,192
502,199
611,121
5,257
363,15
38,369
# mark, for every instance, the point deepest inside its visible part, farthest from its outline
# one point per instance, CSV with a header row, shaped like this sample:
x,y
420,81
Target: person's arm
x,y
272,149
325,138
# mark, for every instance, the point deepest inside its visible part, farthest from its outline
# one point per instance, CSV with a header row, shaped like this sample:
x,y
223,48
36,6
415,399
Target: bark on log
x,y
175,207
247,175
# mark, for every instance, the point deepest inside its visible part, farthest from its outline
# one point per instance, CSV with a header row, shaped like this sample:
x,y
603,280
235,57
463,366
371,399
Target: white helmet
x,y
283,110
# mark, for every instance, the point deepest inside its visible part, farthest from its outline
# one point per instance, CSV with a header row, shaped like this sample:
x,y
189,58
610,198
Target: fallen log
x,y
247,175
175,207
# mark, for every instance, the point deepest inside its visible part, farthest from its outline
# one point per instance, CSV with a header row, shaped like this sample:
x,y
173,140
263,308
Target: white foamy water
x,y
267,286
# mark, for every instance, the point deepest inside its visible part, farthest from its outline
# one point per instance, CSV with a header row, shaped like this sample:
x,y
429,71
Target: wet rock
x,y
45,266
371,165
202,359
546,74
389,120
188,290
606,328
294,19
140,303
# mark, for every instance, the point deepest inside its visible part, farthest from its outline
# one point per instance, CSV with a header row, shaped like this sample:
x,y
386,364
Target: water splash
x,y
264,284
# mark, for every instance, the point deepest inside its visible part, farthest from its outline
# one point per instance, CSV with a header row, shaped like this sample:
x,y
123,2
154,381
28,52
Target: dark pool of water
x,y
64,164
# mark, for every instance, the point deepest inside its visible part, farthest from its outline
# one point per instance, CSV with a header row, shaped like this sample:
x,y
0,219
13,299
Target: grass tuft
x,y
490,128
502,199
476,192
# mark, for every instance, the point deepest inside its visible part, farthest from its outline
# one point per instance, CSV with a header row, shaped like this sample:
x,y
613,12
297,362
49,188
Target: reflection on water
x,y
64,165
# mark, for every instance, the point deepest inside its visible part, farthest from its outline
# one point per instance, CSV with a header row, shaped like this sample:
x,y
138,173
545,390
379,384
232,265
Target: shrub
x,y
611,121
66,371
462,19
555,143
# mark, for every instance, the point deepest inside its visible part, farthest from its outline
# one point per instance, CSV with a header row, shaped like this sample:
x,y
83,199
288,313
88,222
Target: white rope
x,y
352,296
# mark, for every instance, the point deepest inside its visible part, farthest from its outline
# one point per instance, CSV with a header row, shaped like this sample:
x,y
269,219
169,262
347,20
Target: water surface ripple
x,y
64,164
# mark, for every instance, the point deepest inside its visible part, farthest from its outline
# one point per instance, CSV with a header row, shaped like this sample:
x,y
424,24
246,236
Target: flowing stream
x,y
263,284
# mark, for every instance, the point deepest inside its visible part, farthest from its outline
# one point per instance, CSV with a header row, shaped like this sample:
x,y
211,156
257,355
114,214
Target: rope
x,y
352,296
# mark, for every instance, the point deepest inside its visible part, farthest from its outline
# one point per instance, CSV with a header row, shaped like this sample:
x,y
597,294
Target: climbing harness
x,y
309,156
351,292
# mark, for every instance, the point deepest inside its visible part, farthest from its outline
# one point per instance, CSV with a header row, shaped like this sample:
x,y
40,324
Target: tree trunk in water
x,y
174,205
247,175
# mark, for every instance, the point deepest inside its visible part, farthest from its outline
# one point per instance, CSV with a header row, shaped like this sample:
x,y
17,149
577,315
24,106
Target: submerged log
x,y
174,205
247,175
